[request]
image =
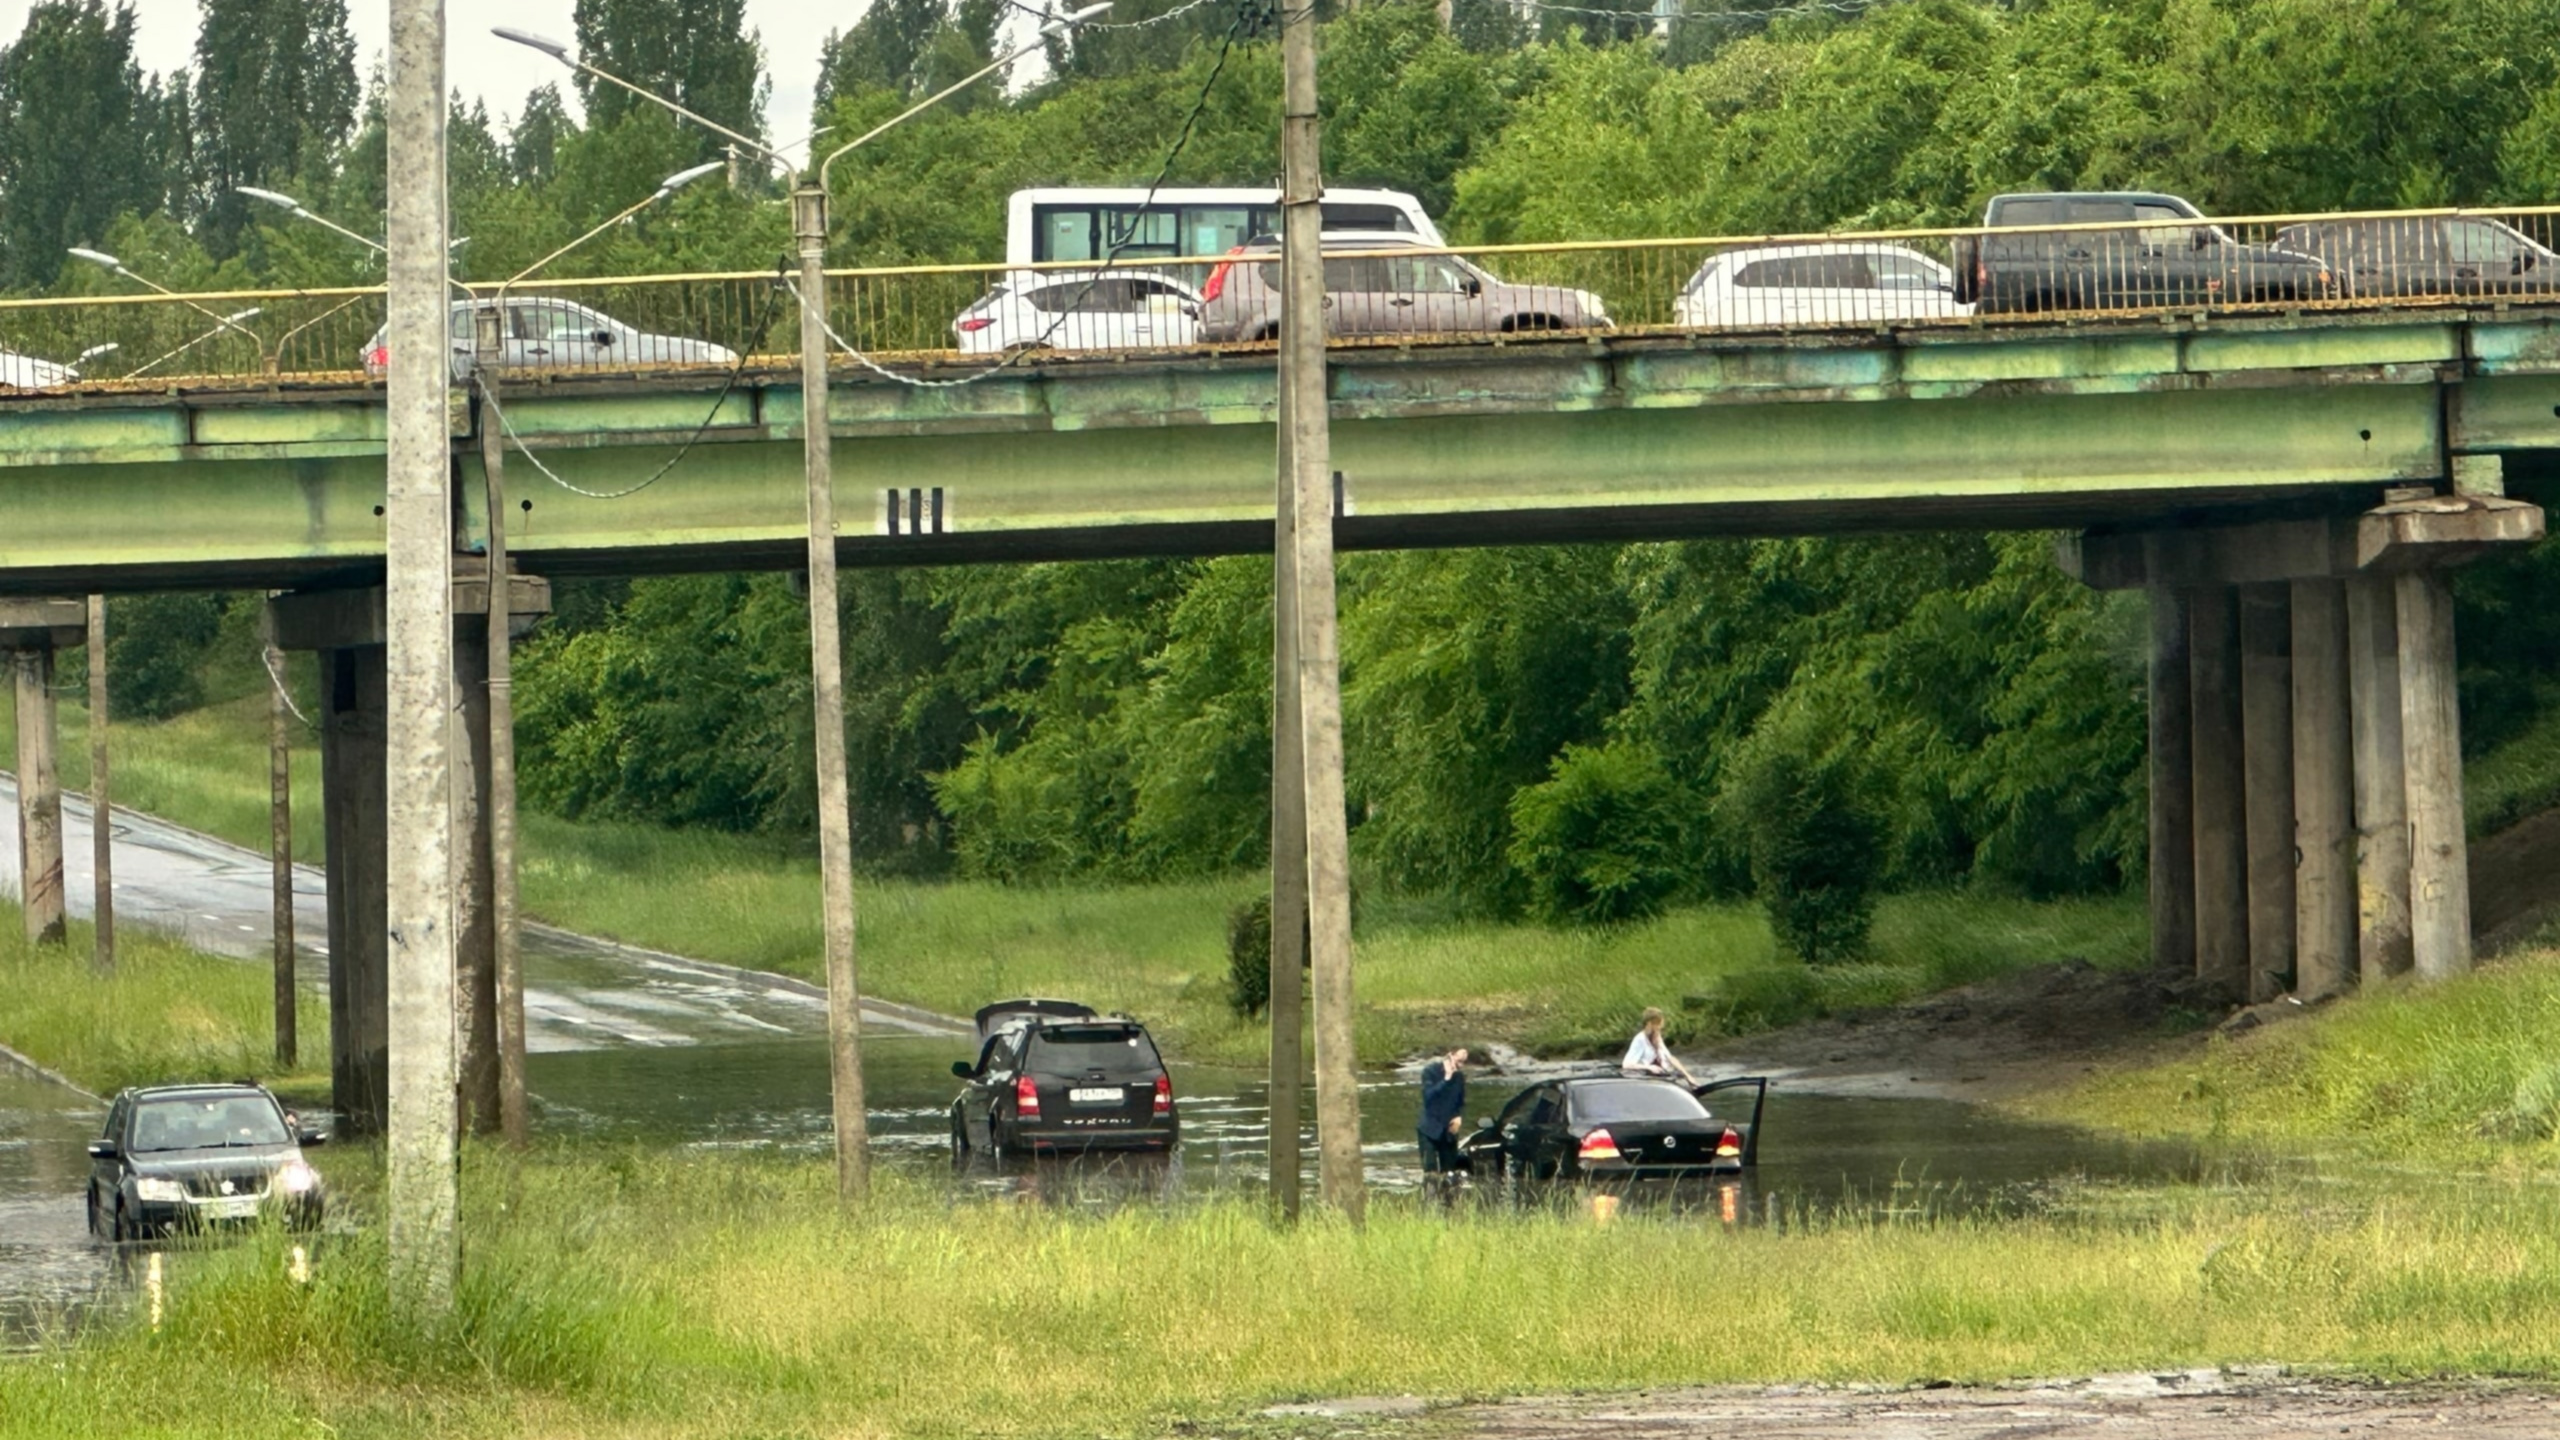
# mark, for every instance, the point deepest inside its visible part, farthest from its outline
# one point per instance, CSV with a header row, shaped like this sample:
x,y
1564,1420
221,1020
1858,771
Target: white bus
x,y
1086,223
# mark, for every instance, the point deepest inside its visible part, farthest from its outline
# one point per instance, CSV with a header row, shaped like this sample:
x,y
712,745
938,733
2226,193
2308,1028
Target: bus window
x,y
1065,233
1209,230
1367,217
1137,233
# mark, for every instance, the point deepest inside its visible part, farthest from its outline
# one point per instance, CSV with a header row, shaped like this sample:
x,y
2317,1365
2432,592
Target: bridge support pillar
x,y
2172,787
2431,741
2324,833
2221,783
346,628
31,631
2382,793
2266,708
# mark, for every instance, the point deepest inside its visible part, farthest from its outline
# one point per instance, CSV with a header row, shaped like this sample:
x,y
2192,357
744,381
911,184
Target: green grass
x,y
167,1013
615,1294
2458,1071
2519,778
1157,950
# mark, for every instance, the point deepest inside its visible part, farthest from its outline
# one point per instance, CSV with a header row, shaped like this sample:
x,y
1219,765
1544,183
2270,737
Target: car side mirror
x,y
2523,261
2203,240
1471,286
1190,310
604,339
963,1069
102,1150
1945,287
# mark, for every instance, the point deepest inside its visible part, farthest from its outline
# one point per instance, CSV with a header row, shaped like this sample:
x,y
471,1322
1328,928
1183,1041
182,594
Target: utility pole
x,y
101,810
513,1121
1288,948
826,696
280,842
1307,423
420,1180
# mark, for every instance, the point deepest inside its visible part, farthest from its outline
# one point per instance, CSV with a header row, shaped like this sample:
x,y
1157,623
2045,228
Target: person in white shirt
x,y
1647,1054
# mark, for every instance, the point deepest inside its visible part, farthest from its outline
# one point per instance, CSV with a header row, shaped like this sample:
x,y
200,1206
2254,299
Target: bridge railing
x,y
951,319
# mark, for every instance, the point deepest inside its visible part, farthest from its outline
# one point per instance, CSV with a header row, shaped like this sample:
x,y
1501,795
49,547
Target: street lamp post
x,y
826,657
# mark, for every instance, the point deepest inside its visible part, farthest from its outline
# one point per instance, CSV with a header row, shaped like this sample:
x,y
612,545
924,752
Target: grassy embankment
x,y
168,1013
2466,1071
719,1295
1156,950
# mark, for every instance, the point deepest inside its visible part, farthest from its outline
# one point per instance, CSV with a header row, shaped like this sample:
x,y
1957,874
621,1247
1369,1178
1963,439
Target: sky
x,y
489,69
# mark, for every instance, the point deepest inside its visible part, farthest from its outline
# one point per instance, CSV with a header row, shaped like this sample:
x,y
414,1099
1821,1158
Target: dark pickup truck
x,y
2165,254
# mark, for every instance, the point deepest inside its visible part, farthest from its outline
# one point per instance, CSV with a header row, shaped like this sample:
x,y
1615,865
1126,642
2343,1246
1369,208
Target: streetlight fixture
x,y
106,261
222,322
826,654
296,209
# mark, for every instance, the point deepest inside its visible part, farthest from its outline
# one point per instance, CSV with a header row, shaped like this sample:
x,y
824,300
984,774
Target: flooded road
x,y
632,1045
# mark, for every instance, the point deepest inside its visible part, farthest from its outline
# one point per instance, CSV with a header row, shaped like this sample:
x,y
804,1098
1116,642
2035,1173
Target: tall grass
x,y
722,1295
167,1013
2408,1071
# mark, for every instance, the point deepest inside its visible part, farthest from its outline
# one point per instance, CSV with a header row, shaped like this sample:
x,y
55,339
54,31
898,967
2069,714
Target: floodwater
x,y
632,1046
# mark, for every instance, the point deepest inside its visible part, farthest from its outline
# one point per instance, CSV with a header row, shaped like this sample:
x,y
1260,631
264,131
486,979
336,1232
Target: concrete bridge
x,y
2288,488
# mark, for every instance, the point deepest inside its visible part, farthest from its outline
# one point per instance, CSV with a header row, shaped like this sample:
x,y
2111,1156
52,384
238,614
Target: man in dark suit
x,y
1444,1099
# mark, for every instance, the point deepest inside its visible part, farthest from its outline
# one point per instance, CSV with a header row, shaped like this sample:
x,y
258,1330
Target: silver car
x,y
541,333
1386,294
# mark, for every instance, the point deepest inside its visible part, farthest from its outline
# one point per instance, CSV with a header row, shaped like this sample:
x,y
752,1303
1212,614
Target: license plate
x,y
235,1209
1098,1095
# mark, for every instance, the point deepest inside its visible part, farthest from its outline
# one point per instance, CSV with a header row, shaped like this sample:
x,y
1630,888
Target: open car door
x,y
1759,1086
990,1016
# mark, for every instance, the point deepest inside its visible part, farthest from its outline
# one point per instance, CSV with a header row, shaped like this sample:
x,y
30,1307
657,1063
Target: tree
x,y
697,53
78,136
883,51
275,96
1803,795
1599,840
533,145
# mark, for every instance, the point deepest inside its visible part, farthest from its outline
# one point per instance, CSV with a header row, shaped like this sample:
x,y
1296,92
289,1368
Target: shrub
x,y
1599,840
1817,842
1249,957
156,646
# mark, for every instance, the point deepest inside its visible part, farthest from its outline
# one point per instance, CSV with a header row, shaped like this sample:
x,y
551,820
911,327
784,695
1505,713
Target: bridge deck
x,y
1629,436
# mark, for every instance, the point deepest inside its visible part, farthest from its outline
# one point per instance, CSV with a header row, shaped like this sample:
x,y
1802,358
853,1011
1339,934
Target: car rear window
x,y
1112,1049
1636,1100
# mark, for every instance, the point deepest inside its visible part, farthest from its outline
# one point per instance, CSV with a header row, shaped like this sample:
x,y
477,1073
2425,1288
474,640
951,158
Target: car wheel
x,y
117,1230
959,1137
1268,334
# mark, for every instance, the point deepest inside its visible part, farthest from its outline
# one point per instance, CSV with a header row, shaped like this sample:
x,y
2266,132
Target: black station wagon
x,y
180,1158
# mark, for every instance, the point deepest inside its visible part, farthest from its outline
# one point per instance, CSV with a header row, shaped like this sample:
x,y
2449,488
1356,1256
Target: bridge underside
x,y
2067,427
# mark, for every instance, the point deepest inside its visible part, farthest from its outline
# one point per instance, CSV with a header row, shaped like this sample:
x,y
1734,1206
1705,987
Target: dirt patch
x,y
2208,1405
2025,1031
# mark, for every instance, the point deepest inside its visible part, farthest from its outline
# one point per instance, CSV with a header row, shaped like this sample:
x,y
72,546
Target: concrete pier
x,y
2266,705
2172,788
2431,742
2382,792
2221,785
2324,831
352,738
31,633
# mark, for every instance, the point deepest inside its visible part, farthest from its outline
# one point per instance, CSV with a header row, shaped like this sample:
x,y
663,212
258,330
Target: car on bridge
x,y
2393,257
2142,250
1371,290
175,1159
1054,1076
545,333
1618,1127
1080,310
1833,283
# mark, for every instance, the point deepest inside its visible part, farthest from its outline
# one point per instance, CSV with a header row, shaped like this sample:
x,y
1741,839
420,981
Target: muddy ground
x,y
2029,1030
2193,1405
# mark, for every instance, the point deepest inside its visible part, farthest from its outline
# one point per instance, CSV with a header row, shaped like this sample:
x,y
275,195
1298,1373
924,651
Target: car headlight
x,y
161,1191
297,1178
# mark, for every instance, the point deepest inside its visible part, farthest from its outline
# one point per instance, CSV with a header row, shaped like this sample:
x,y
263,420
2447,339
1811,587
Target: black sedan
x,y
1052,1075
180,1158
1617,1126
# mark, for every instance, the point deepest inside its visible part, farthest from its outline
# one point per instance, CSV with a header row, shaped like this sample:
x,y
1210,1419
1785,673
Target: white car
x,y
26,372
1842,283
541,333
1080,310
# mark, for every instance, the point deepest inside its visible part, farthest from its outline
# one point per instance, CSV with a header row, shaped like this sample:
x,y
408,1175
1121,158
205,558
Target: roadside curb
x,y
12,1059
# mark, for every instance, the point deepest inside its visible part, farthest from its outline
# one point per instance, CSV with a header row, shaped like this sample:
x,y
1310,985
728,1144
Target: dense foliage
x,y
1580,733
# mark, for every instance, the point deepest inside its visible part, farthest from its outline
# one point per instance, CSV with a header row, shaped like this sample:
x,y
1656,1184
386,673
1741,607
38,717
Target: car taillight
x,y
1026,1098
1599,1146
974,324
379,357
1217,285
1164,1094
1729,1146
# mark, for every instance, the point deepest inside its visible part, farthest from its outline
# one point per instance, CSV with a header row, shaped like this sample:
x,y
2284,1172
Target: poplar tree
x,y
79,140
275,96
697,53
